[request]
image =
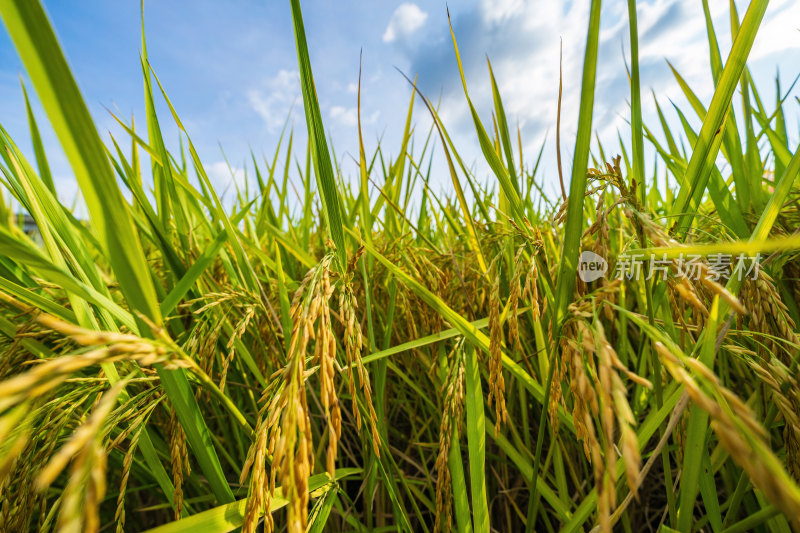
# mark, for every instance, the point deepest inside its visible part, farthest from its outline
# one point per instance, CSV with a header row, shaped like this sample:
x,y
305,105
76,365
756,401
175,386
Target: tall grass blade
x,y
476,435
704,153
318,145
37,45
574,222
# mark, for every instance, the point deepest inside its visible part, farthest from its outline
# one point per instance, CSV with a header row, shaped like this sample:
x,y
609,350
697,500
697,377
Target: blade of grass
x,y
231,516
489,152
58,92
476,441
502,125
38,147
637,145
472,238
36,44
574,220
697,429
696,176
326,179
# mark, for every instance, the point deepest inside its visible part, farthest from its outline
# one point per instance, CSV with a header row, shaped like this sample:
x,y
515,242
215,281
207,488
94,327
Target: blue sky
x,y
230,68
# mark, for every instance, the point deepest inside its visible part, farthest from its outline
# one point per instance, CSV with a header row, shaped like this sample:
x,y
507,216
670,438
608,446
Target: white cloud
x,y
224,177
522,41
501,10
780,32
406,19
346,115
273,101
349,116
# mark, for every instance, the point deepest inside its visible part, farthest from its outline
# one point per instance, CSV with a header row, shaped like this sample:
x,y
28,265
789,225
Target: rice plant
x,y
371,358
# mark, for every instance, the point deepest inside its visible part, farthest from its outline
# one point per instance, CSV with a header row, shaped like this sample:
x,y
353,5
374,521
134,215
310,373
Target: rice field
x,y
345,353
